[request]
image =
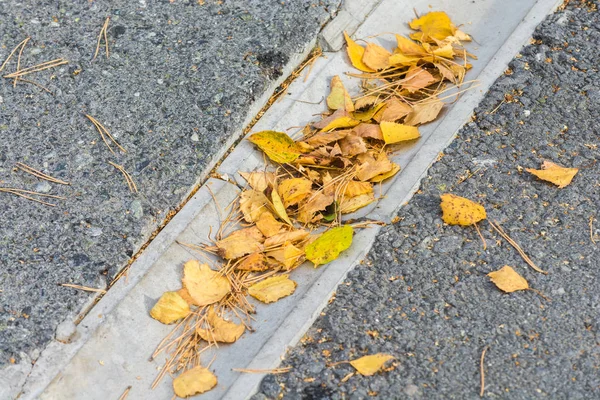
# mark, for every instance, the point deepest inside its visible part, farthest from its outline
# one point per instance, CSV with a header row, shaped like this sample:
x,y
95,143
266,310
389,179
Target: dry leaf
x,y
460,211
291,236
279,207
560,176
508,280
370,167
369,365
434,25
204,285
386,175
355,53
400,59
328,246
255,262
324,138
253,204
268,225
416,79
294,190
259,181
194,381
288,255
338,97
424,112
376,57
272,289
394,110
351,204
278,146
240,242
368,131
327,120
365,102
183,292
352,145
341,122
394,133
170,308
221,330
315,203
367,115
354,188
409,48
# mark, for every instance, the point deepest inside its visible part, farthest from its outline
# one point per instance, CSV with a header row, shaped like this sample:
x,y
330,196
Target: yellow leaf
x,y
253,204
403,60
323,138
460,211
259,181
416,79
560,176
272,289
351,204
354,188
369,365
424,112
240,243
183,292
368,114
364,102
461,36
372,131
328,246
291,236
317,202
293,191
288,255
394,110
169,308
434,25
376,57
255,262
352,145
279,207
446,51
446,72
370,167
268,225
409,48
355,53
220,330
204,285
508,280
394,133
386,175
278,146
341,122
194,381
339,97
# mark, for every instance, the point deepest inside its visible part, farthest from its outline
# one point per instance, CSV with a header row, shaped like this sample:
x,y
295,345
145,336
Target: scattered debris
x,y
514,244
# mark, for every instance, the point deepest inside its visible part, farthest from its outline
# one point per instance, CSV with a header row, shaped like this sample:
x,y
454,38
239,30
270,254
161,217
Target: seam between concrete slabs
x,y
308,307
56,353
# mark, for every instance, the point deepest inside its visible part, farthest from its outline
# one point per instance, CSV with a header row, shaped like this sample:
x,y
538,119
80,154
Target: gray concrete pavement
x,y
423,294
180,82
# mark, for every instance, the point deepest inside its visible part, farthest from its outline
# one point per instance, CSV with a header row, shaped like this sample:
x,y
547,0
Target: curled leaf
x,y
278,146
508,280
328,246
220,330
386,175
338,97
369,365
435,25
204,285
169,308
194,381
279,207
460,211
240,243
554,173
273,288
355,53
292,191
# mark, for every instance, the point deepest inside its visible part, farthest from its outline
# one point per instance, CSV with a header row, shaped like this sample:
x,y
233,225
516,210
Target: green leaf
x,y
329,245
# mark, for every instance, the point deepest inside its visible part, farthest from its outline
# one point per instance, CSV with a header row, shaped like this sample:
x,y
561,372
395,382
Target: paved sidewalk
x,y
176,91
423,294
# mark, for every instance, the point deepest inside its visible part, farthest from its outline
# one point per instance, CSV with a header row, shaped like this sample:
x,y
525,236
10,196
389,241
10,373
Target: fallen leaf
x,y
370,167
341,122
253,204
352,145
315,203
367,115
460,211
194,381
268,225
204,285
368,131
291,236
364,102
183,292
240,242
394,110
292,191
424,112
434,25
170,308
416,79
355,188
288,255
409,48
259,181
554,173
327,120
376,57
446,72
369,365
328,246
255,262
220,330
324,138
351,204
338,97
278,146
273,288
400,59
394,133
355,53
279,207
386,175
508,280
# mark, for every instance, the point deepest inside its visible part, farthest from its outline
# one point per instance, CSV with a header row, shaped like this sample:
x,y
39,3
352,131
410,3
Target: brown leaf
x,y
338,97
554,173
220,330
324,138
386,175
329,119
376,57
368,131
354,188
317,202
240,242
368,114
273,288
424,112
394,110
291,236
365,102
183,292
416,79
204,285
268,225
352,145
351,204
508,280
370,167
460,211
194,381
170,308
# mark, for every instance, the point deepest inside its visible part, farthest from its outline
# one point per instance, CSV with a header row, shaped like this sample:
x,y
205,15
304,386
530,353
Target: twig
x,y
542,295
20,193
84,288
514,244
125,393
263,371
100,36
482,372
128,179
41,175
103,131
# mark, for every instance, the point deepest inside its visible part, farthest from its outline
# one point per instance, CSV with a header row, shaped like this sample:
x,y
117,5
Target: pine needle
x,y
482,372
102,34
13,52
25,194
273,371
514,244
84,288
41,175
37,68
128,179
104,133
125,393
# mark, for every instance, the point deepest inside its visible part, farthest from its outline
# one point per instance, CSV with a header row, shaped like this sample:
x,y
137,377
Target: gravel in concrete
x,y
178,84
422,294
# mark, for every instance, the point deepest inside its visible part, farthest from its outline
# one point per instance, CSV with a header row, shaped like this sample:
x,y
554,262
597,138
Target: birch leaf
x,y
338,97
194,381
394,110
386,175
255,262
554,173
240,242
292,191
170,308
409,48
416,79
376,57
355,53
351,204
272,289
328,246
508,280
204,285
278,146
394,133
434,25
369,365
253,204
288,255
291,236
259,181
220,330
460,211
424,112
279,207
268,225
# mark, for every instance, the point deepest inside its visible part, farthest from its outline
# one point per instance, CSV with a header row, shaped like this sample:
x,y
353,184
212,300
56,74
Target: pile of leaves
x,y
279,218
